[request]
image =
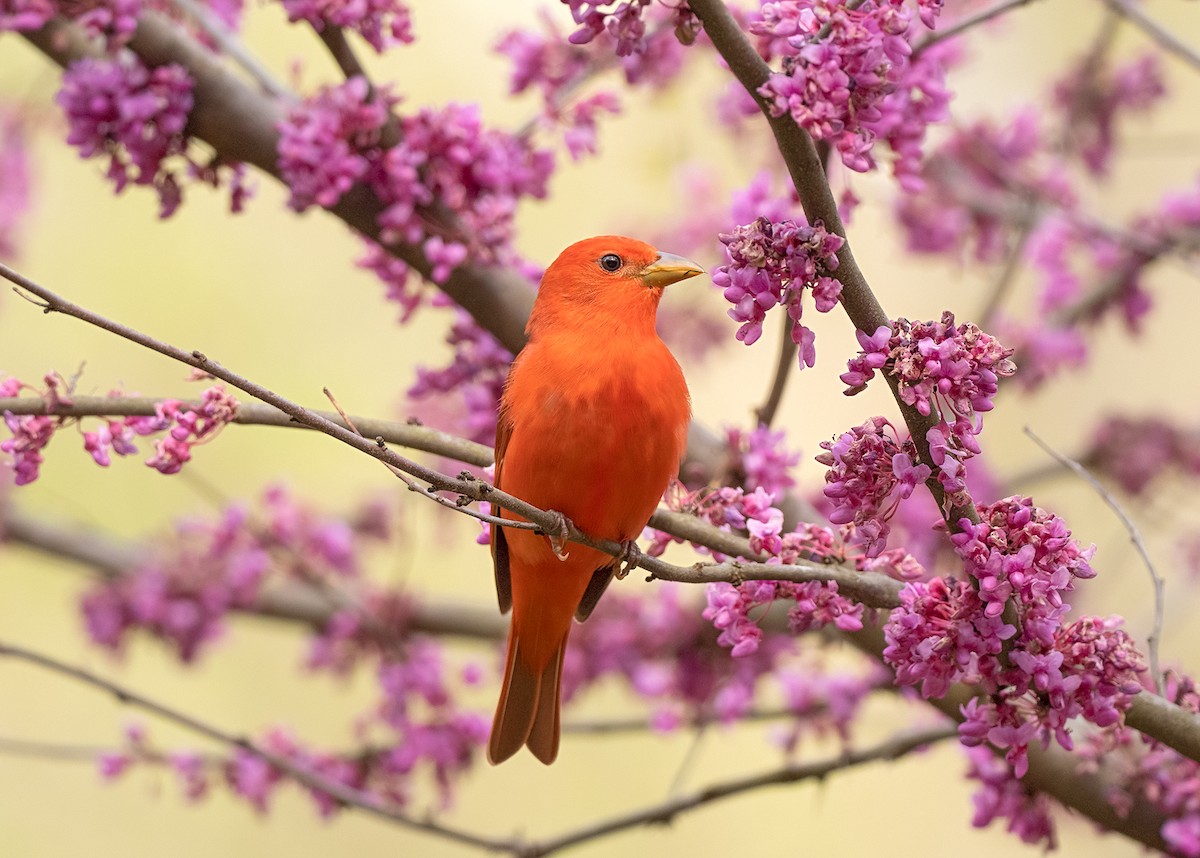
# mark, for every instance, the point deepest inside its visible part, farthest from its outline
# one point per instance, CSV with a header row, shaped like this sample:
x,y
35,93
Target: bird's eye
x,y
610,262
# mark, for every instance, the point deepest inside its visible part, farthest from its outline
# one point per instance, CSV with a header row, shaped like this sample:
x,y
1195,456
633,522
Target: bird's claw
x,y
558,539
628,559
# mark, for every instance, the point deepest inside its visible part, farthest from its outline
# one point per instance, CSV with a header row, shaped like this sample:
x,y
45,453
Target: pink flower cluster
x,y
447,157
1136,451
476,372
938,365
847,76
1002,795
111,20
761,459
812,605
381,23
419,726
1095,99
1038,674
966,203
556,68
668,655
137,116
183,593
20,15
187,427
772,264
870,471
1117,259
624,24
1159,773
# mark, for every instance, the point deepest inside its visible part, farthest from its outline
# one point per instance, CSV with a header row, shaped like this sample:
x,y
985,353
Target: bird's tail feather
x,y
528,711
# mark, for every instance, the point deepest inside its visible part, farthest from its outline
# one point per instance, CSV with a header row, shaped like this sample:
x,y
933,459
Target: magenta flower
x,y
382,23
134,115
771,264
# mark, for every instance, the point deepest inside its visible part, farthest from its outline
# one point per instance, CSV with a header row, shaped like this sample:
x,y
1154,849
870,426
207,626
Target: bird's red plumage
x,y
593,424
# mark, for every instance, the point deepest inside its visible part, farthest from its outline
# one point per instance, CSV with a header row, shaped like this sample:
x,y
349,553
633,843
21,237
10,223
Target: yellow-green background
x,y
276,297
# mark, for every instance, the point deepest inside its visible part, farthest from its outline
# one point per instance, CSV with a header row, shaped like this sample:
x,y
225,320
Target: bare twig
x,y
765,413
1135,537
344,795
232,47
970,22
892,749
1156,31
872,589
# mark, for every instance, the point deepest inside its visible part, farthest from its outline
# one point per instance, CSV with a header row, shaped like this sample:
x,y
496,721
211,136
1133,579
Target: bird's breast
x,y
597,437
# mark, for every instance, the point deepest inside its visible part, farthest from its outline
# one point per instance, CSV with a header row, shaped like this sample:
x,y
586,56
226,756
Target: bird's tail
x,y
528,711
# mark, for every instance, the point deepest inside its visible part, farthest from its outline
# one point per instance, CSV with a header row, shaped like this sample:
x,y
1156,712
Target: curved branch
x,y
891,749
808,176
412,435
765,413
240,124
344,795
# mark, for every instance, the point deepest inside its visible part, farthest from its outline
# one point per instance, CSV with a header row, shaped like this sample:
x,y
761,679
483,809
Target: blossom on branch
x,y
773,264
848,78
870,472
941,368
382,23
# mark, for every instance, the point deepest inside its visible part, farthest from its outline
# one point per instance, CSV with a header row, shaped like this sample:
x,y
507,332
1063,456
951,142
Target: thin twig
x,y
231,46
1135,537
411,434
344,795
968,23
1007,276
873,589
765,414
1156,31
892,749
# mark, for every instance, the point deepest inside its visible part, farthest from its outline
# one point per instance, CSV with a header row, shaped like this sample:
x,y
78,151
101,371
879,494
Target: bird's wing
x,y
601,578
499,541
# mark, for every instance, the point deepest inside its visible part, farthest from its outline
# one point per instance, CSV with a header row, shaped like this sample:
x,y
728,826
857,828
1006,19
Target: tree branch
x,y
765,413
344,795
808,176
970,22
892,749
1156,31
1135,537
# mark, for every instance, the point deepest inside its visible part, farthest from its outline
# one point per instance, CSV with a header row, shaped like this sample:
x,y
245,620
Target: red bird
x,y
593,424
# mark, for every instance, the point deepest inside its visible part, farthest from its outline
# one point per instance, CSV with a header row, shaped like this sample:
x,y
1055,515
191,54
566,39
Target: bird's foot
x,y
558,537
628,559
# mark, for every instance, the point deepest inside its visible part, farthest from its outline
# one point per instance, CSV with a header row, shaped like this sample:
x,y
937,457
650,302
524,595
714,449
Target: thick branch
x,y
240,124
257,414
1055,771
808,176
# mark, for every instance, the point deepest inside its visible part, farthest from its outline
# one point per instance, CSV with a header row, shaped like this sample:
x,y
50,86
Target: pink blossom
x,y
382,23
771,264
134,115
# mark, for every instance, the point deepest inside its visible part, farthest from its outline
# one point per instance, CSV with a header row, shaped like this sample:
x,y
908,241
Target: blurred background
x,y
277,298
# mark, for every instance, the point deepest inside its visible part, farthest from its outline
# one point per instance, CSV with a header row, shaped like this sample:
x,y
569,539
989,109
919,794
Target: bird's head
x,y
607,279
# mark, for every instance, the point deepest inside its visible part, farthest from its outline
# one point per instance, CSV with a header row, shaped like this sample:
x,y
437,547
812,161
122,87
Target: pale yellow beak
x,y
668,269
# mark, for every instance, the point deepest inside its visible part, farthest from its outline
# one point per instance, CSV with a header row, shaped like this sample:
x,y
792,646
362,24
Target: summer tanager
x,y
593,424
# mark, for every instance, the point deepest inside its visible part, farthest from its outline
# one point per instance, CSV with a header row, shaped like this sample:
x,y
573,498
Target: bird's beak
x,y
668,269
